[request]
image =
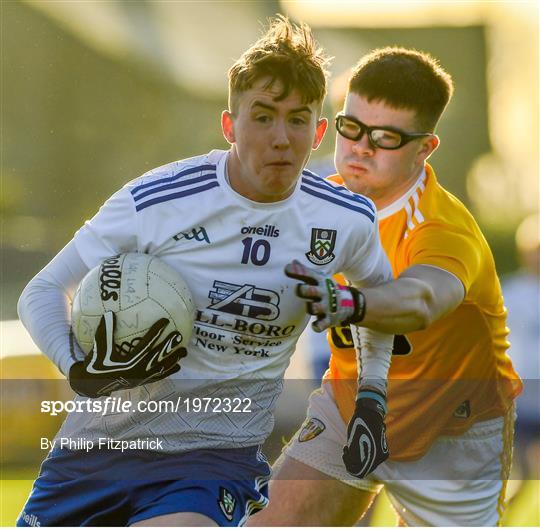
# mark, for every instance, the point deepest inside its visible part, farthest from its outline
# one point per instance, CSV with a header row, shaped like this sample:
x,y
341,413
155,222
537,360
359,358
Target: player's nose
x,y
362,146
280,135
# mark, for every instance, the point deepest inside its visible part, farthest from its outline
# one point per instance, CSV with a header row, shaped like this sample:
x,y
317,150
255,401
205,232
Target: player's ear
x,y
227,126
322,125
428,146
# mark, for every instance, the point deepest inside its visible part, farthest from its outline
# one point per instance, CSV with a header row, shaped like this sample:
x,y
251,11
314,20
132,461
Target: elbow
x,y
22,303
422,319
28,295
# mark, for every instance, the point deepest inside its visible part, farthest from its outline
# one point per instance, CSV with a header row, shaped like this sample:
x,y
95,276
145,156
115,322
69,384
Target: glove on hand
x,y
367,446
332,303
105,370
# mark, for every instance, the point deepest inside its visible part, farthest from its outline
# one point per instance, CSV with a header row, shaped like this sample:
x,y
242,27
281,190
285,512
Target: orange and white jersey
x,y
444,378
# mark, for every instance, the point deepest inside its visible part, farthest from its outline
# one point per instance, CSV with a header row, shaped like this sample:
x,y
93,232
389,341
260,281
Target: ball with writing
x,y
140,289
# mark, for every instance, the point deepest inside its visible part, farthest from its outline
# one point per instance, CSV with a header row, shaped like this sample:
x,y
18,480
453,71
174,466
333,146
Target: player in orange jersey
x,y
451,384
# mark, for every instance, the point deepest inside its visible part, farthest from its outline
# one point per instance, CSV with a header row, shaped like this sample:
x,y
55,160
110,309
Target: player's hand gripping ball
x,y
105,369
133,315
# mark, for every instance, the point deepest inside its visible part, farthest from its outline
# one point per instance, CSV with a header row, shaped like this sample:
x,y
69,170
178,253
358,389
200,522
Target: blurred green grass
x,y
523,510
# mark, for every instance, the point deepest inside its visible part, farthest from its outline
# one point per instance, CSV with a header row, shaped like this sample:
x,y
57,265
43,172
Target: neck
x,y
233,170
389,198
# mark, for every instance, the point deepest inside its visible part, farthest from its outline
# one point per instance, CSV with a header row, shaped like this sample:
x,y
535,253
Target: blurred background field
x,y
96,93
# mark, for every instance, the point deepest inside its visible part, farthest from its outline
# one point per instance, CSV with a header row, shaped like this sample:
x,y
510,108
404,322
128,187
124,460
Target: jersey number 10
x,y
257,252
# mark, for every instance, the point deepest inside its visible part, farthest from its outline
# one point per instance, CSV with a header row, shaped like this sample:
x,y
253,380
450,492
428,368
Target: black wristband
x,y
372,399
359,301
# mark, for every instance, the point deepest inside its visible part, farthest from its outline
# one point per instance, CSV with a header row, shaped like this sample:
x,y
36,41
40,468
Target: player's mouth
x,y
357,167
279,163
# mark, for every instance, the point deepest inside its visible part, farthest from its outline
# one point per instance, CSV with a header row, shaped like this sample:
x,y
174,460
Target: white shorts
x,y
460,481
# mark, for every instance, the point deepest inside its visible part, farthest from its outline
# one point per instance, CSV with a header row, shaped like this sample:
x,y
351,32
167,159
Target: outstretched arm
x,y
419,296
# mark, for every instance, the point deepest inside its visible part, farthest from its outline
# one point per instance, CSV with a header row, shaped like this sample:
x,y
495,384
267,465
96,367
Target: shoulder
x,y
326,193
438,204
174,180
433,211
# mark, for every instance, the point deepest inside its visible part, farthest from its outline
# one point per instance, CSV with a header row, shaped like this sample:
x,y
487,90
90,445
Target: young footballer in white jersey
x,y
228,221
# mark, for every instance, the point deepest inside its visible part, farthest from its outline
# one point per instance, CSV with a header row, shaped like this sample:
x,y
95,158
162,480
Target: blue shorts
x,y
114,488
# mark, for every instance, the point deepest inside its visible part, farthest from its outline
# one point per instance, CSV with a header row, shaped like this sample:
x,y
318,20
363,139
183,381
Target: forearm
x,y
44,307
421,295
374,355
398,307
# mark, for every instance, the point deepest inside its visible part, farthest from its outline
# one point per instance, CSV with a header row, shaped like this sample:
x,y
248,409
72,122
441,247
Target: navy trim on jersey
x,y
307,172
347,205
185,172
166,198
323,184
175,185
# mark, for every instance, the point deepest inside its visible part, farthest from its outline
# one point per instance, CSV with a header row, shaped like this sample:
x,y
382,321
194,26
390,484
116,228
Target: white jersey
x,y
231,252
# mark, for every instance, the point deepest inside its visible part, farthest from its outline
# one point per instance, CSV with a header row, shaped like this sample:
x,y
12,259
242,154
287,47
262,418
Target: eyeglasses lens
x,y
386,139
349,129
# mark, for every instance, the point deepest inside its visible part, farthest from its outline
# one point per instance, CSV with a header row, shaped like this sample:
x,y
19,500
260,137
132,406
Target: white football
x,y
140,289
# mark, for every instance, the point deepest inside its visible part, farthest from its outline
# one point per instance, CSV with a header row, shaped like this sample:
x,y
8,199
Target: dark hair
x,y
287,53
404,78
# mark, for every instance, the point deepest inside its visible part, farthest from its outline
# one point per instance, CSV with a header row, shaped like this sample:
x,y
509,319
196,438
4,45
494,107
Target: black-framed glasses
x,y
379,137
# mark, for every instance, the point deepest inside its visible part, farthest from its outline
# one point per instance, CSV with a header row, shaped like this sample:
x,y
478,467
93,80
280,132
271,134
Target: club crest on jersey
x,y
311,429
323,242
227,503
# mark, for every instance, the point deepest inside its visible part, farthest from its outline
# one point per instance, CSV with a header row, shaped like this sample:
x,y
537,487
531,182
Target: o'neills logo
x,y
30,519
266,231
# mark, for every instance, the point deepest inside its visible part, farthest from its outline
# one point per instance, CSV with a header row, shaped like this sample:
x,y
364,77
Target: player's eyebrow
x,y
304,108
268,106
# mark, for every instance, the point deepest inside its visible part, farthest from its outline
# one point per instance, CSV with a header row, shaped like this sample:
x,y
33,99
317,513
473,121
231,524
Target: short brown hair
x,y
287,53
404,78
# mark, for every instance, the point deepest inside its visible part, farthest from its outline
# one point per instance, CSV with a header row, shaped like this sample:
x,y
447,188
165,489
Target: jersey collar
x,y
399,203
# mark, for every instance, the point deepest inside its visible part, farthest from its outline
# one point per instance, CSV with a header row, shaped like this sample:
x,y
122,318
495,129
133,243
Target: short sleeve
x,y
112,230
446,247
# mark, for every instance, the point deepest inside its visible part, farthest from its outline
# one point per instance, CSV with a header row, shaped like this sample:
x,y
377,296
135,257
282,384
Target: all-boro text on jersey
x,y
102,443
253,339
